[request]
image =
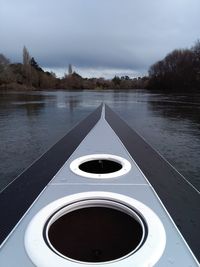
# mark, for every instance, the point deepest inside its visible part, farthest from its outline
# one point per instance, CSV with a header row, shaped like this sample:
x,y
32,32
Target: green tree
x,y
35,65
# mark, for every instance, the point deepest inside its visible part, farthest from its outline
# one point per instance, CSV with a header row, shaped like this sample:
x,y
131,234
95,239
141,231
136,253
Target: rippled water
x,y
31,122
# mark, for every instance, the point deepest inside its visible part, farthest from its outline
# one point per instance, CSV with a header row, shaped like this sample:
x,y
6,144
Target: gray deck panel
x,y
109,144
176,253
16,198
179,197
132,184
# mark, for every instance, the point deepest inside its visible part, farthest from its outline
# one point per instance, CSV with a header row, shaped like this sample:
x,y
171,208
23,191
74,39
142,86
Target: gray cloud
x,y
98,34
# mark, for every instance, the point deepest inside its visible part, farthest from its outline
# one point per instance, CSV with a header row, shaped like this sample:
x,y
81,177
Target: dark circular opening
x,y
95,234
100,166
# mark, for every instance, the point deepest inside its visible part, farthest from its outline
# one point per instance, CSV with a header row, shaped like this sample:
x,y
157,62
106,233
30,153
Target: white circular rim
x,y
147,255
126,166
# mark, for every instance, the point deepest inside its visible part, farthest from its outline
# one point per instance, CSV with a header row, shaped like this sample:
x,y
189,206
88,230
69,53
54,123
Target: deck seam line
x,y
96,184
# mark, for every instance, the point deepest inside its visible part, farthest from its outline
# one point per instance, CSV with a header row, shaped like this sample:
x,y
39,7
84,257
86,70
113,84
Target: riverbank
x,y
16,87
40,80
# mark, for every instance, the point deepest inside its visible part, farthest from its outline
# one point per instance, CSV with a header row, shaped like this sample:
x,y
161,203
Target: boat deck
x,y
151,181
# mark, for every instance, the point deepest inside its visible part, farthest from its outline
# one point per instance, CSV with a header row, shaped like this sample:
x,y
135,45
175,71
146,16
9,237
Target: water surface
x,y
31,122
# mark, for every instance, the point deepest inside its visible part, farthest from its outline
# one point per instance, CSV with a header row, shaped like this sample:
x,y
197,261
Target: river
x,y
31,122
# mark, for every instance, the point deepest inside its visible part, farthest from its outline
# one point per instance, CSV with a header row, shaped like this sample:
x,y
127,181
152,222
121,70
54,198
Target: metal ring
x,y
126,166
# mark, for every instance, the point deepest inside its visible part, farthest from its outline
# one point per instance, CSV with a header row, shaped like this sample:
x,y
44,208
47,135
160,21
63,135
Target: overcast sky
x,y
98,37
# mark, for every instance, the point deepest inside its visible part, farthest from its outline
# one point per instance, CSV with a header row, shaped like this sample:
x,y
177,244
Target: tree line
x,y
29,75
179,70
26,75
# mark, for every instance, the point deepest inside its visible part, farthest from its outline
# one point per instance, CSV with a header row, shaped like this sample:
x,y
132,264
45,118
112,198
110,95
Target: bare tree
x,y
70,69
175,71
196,63
4,62
26,65
26,56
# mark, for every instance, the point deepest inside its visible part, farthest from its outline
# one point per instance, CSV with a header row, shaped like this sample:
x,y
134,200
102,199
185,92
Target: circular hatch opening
x,y
95,228
96,233
100,166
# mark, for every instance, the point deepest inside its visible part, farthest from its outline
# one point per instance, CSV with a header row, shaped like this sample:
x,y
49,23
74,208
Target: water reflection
x,y
180,107
73,103
32,103
31,122
171,125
